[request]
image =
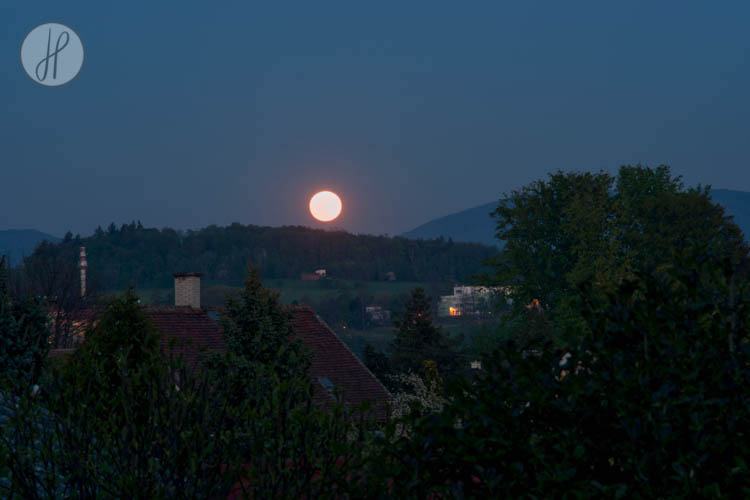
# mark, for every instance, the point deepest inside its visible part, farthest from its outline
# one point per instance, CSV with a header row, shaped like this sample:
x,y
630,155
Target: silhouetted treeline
x,y
147,257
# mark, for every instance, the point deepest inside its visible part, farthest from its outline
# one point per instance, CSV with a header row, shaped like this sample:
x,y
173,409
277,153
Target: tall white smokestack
x,y
83,266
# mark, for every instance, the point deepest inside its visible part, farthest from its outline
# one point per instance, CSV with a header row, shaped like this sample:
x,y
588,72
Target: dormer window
x,y
326,384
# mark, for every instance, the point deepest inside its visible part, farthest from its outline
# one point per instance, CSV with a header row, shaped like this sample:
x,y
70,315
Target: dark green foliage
x,y
377,362
122,330
257,329
292,447
147,257
529,327
24,336
418,339
653,402
122,421
594,228
177,447
121,341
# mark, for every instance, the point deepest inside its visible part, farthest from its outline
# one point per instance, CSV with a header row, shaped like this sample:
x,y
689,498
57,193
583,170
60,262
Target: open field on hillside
x,y
213,294
298,290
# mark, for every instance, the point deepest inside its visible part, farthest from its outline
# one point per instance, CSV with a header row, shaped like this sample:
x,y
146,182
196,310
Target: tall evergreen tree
x,y
377,362
122,332
121,348
418,339
257,328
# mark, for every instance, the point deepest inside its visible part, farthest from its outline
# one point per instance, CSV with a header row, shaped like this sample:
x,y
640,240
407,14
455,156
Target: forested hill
x,y
147,257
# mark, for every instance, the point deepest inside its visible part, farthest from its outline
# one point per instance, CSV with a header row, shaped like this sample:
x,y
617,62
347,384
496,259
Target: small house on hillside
x,y
317,275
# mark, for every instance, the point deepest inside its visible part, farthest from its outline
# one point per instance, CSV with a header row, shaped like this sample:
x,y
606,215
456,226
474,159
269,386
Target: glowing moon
x,y
325,206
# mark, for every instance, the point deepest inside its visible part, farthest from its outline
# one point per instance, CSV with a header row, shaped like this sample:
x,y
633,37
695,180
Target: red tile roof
x,y
334,361
192,331
195,333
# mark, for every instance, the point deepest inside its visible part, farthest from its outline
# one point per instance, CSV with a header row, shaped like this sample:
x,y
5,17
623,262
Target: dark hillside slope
x,y
475,224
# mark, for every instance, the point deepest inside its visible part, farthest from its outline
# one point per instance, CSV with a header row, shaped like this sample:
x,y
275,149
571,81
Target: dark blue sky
x,y
212,112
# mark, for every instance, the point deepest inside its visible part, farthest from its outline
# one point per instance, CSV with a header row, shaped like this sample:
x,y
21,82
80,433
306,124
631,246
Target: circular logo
x,y
52,54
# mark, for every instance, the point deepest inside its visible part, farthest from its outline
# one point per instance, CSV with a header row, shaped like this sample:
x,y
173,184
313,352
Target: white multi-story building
x,y
378,315
469,300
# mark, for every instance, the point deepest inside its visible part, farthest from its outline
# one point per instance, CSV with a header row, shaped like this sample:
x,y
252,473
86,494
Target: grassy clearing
x,y
298,290
213,294
356,340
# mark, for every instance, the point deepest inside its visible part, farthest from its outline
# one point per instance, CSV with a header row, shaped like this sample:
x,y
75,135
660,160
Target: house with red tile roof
x,y
195,331
192,332
334,365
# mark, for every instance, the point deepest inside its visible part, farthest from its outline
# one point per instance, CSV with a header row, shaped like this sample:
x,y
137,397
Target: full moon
x,y
325,206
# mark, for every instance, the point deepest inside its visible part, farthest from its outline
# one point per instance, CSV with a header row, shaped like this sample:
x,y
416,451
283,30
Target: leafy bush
x,y
24,337
123,419
654,401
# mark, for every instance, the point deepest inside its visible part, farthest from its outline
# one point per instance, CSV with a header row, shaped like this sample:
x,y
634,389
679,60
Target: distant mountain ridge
x,y
471,225
20,242
476,225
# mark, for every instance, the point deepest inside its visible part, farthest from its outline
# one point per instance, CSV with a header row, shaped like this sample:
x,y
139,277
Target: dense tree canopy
x,y
121,340
24,336
592,227
124,419
257,329
419,339
653,403
419,346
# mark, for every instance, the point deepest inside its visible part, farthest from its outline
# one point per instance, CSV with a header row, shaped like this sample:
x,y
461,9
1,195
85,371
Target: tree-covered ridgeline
x,y
147,257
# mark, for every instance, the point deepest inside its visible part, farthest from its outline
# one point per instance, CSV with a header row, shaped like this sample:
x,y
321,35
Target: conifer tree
x,y
377,362
121,349
418,339
257,328
123,333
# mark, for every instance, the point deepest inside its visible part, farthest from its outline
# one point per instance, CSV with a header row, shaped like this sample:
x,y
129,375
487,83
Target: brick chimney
x,y
187,289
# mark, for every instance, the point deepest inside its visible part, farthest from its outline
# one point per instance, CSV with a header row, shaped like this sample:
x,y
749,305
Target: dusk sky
x,y
198,113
